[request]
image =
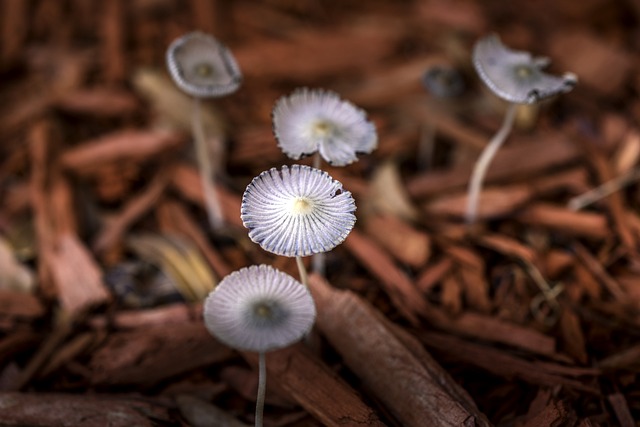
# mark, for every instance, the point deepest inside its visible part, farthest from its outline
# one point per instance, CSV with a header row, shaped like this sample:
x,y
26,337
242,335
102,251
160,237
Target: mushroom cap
x,y
308,120
443,81
297,211
259,308
515,75
202,66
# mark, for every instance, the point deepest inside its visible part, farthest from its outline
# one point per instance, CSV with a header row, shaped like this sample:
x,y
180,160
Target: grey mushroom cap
x,y
297,211
516,76
203,67
444,81
259,308
317,120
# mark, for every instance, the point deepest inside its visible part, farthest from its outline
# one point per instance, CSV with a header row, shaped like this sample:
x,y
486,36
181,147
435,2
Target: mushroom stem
x,y
262,387
480,168
207,172
303,271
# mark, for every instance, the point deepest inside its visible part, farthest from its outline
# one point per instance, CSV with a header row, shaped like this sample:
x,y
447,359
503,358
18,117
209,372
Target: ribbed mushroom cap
x,y
259,308
297,211
202,66
515,75
318,120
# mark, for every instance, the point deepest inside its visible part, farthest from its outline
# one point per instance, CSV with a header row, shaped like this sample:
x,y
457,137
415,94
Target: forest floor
x,y
531,317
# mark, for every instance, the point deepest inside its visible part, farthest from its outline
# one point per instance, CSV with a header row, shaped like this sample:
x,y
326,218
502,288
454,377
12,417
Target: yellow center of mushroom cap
x,y
204,70
301,206
263,311
322,128
523,71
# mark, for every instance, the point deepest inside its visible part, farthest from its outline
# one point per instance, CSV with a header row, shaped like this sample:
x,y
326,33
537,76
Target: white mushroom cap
x,y
259,308
515,75
297,211
318,120
202,66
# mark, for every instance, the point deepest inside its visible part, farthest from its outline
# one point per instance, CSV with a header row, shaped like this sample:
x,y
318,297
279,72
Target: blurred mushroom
x,y
516,77
204,68
446,85
310,121
443,81
259,308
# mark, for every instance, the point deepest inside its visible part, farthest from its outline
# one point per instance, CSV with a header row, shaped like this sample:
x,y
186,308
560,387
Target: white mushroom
x,y
297,211
202,66
518,78
259,308
309,121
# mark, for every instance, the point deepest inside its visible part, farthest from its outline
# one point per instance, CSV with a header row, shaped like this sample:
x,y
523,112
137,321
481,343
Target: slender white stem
x,y
317,160
262,388
207,172
604,190
303,271
480,168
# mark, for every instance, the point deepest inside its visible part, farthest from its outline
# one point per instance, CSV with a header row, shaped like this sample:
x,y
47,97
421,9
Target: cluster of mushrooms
x,y
294,211
298,211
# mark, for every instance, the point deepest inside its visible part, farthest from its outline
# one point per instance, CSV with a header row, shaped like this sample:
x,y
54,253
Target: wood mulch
x,y
529,318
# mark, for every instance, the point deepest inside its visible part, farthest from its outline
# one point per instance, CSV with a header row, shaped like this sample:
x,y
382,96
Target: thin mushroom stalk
x,y
207,169
304,277
481,166
262,388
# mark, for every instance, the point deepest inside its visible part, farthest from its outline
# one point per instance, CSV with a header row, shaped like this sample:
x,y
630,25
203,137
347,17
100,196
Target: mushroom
x,y
446,85
443,81
318,121
297,211
203,67
259,308
516,77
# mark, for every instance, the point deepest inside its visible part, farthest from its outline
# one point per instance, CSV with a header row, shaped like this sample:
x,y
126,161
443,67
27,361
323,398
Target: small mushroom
x,y
259,308
203,67
297,211
517,77
443,81
310,121
446,85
